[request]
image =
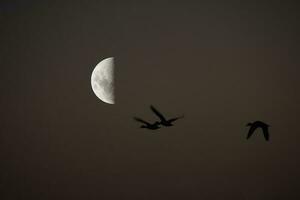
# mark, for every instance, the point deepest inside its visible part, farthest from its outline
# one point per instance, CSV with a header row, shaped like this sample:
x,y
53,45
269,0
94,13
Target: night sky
x,y
221,64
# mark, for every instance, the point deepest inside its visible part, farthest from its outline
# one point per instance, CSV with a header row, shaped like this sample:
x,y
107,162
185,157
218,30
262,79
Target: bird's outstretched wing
x,y
161,117
251,131
175,118
141,120
266,132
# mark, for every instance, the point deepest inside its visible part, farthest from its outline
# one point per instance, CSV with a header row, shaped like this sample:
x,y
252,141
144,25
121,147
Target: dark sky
x,y
221,64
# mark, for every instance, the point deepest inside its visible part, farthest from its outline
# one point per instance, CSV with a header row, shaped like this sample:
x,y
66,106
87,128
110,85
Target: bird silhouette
x,y
147,125
258,124
163,120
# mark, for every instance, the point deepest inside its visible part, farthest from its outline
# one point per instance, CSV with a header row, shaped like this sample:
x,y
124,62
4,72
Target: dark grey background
x,y
221,64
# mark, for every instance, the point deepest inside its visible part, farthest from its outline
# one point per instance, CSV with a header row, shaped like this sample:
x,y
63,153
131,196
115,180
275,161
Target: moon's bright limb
x,y
102,80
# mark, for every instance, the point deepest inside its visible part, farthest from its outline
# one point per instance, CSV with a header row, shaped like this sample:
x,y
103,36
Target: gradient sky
x,y
222,64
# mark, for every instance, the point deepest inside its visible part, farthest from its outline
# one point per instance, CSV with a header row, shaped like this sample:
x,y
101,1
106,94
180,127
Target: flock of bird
x,y
168,122
156,125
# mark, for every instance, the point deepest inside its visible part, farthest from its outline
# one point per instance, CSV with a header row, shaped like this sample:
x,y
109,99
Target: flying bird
x,y
148,125
258,124
163,120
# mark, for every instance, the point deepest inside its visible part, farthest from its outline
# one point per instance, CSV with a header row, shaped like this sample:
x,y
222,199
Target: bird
x,y
258,124
147,125
163,120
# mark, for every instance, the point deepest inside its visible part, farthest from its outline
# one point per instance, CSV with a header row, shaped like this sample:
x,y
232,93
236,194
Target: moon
x,y
102,80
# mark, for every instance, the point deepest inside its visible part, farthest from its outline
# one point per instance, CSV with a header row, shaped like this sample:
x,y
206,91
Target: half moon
x,y
102,80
